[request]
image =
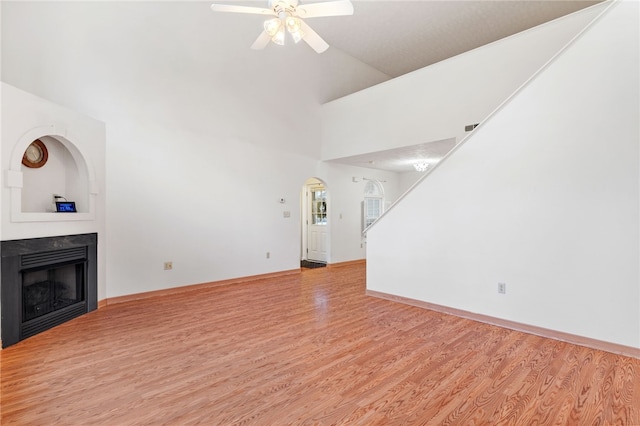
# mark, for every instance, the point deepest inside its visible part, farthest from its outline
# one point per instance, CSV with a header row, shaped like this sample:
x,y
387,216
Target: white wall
x,y
202,138
436,102
345,209
544,196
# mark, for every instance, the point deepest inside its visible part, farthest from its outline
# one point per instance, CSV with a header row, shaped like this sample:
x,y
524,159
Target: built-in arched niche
x,y
66,173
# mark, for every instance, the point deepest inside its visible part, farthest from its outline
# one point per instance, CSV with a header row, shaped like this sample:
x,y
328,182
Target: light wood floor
x,y
305,349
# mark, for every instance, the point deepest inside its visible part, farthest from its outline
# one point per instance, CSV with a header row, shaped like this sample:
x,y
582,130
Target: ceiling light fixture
x,y
279,37
272,26
293,26
288,14
421,166
275,29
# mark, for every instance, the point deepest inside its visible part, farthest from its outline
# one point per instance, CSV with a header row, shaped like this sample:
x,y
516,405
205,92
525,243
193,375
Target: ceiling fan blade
x,y
312,38
330,8
262,41
241,9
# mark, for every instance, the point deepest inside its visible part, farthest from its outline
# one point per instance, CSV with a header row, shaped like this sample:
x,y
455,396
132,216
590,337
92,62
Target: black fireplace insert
x,y
45,282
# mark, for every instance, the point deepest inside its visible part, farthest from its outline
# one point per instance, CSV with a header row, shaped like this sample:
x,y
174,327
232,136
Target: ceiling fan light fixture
x,y
293,24
297,36
271,26
293,27
278,38
287,15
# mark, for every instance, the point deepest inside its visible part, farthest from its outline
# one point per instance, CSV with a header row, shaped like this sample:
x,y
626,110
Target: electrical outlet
x,y
268,255
502,288
168,266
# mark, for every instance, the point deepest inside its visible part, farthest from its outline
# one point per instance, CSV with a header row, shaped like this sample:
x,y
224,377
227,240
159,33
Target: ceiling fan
x,y
288,16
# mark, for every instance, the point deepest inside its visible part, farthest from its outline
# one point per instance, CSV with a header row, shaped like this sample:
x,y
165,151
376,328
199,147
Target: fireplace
x,y
45,282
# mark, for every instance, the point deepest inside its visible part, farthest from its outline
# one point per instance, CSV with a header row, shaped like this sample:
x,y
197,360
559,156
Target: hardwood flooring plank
x,y
306,349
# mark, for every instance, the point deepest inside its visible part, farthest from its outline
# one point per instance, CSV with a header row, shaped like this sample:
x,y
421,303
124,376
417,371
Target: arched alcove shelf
x,y
67,173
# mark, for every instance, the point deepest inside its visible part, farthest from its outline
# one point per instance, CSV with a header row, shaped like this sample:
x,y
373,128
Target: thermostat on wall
x,y
66,206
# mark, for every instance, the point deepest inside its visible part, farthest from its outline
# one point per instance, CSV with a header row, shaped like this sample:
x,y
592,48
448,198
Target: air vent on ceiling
x,y
470,127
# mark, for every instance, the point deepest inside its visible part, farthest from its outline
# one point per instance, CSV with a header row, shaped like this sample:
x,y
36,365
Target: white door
x,y
317,236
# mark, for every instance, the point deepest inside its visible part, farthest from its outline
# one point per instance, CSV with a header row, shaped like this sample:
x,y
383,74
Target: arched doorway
x,y
315,221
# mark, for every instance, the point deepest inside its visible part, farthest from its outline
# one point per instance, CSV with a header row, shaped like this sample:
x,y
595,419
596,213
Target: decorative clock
x,y
36,155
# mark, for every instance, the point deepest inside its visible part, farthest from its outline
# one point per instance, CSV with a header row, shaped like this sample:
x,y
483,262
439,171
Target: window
x,y
373,205
372,210
319,206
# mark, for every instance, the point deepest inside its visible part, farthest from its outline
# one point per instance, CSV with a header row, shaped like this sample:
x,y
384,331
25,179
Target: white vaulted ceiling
x,y
397,37
159,41
387,37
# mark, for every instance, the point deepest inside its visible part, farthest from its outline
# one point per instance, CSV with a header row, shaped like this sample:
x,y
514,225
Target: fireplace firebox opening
x,y
46,282
51,289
